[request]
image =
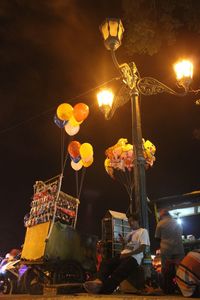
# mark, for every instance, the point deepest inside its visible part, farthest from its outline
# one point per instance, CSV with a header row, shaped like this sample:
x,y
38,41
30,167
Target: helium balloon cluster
x,y
121,156
81,155
149,152
70,118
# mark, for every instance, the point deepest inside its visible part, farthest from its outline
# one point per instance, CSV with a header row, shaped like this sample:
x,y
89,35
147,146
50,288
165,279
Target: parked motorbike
x,y
10,273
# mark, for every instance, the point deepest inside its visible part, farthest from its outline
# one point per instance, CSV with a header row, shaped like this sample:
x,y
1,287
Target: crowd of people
x,y
180,273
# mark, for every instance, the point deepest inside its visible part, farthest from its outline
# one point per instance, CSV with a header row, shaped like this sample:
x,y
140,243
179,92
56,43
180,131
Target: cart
x,y
57,256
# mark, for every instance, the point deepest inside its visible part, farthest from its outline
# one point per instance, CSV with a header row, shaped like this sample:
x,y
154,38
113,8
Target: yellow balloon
x,y
73,122
109,169
88,164
127,147
86,150
149,146
122,142
64,111
107,163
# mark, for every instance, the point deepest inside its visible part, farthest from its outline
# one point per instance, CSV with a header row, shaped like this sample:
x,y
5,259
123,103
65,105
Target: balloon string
x,y
55,206
67,155
131,181
127,181
61,148
75,221
81,184
77,184
122,179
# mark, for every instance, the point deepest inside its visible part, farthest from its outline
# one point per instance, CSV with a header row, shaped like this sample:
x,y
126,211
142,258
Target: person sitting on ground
x,y
188,274
113,271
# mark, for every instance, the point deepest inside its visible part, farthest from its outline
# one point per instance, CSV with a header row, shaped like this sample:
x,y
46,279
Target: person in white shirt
x,y
113,271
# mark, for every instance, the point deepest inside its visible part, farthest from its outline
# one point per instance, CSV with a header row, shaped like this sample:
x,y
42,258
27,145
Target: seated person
x,y
188,274
113,271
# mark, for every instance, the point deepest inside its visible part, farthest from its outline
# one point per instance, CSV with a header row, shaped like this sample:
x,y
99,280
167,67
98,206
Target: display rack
x,y
114,224
49,203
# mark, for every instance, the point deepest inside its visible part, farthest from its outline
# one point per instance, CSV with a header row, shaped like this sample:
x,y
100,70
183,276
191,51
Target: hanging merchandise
x,y
45,204
119,162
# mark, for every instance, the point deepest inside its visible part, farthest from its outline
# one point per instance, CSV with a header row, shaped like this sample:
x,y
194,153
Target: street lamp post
x,y
134,86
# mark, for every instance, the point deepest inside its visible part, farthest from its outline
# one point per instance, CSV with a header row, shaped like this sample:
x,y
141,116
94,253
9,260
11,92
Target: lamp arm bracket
x,y
127,71
151,86
129,74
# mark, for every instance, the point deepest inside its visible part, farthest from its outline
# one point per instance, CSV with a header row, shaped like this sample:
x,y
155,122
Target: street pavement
x,y
85,296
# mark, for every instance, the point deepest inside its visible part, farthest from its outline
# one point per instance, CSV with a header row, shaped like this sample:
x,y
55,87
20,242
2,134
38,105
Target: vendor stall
x,y
54,251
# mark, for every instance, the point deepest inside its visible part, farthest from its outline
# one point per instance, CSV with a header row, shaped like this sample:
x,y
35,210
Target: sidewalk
x,y
85,296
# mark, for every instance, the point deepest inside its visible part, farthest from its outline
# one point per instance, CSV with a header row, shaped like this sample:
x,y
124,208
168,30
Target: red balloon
x,y
73,149
81,111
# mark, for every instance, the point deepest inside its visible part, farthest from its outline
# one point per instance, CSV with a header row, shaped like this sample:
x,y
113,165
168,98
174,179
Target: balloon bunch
x,y
70,118
81,155
149,153
121,156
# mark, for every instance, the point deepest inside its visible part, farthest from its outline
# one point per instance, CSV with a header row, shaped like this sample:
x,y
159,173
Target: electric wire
x,y
54,108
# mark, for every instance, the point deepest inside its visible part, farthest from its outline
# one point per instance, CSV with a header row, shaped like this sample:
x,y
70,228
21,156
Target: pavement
x,y
85,296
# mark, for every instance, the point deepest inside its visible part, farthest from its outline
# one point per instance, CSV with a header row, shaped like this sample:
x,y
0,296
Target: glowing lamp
x,y
112,32
184,73
105,101
183,68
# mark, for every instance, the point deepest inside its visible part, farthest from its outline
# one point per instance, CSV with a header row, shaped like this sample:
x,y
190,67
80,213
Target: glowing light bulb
x,y
105,97
183,68
179,221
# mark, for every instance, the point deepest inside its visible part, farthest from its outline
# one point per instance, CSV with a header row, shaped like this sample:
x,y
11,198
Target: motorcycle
x,y
10,274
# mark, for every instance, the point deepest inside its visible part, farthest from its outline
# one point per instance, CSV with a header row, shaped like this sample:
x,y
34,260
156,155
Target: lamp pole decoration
x,y
134,86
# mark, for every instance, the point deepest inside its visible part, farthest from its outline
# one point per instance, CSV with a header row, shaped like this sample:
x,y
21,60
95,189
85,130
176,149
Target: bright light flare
x,y
105,98
179,221
183,68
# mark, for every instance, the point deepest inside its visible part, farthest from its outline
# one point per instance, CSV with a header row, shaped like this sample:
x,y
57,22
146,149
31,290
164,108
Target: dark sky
x,y
52,52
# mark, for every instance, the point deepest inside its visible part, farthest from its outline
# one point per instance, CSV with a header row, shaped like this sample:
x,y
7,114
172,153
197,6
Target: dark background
x,y
52,52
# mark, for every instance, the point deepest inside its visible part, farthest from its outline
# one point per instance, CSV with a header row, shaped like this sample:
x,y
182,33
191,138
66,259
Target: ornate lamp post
x,y
134,86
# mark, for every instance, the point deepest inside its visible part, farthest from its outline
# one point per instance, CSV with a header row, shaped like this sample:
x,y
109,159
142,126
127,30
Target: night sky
x,y
52,52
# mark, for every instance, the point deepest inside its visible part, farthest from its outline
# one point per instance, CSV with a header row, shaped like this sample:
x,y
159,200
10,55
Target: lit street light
x,y
105,101
135,86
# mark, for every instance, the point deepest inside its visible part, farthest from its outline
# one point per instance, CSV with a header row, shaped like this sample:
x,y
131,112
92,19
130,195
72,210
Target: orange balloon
x,y
64,111
74,149
81,112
